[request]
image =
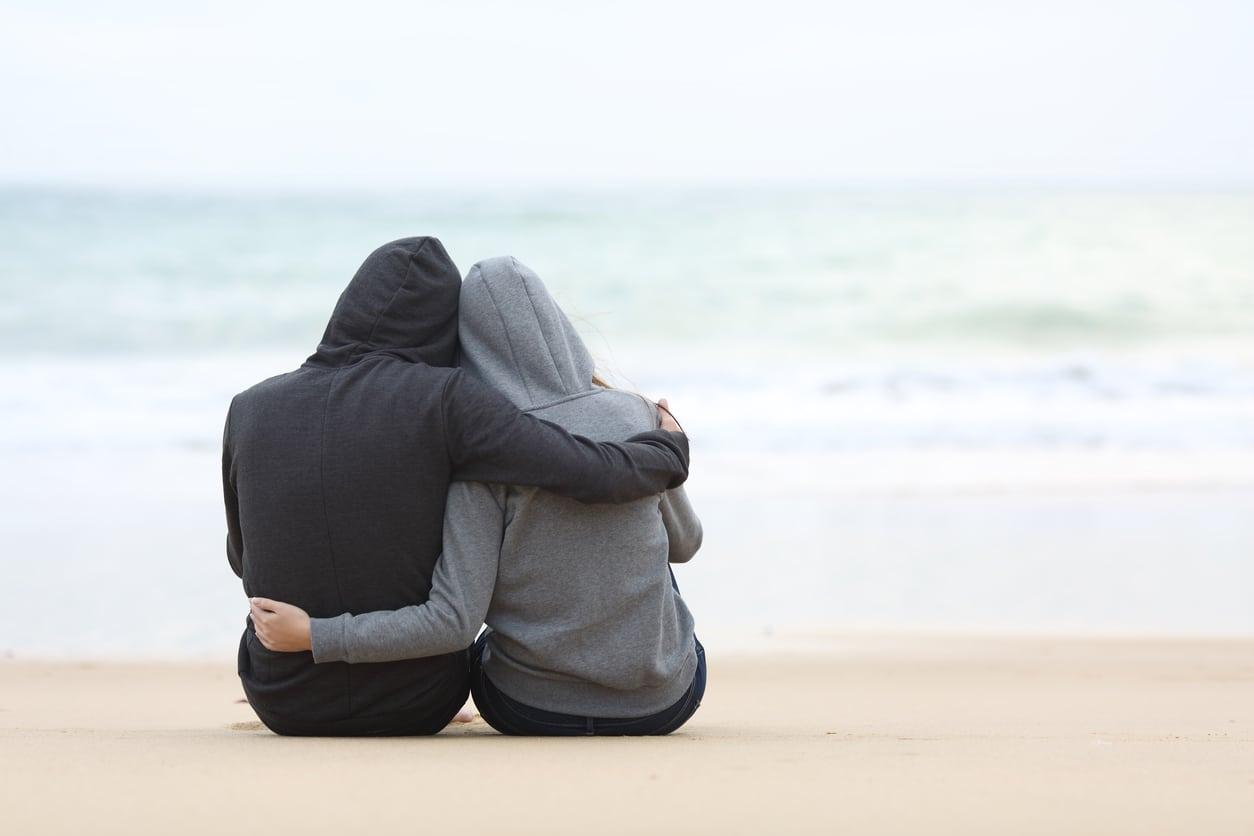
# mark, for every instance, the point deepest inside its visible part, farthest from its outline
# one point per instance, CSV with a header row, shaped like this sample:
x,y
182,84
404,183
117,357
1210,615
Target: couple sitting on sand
x,y
382,504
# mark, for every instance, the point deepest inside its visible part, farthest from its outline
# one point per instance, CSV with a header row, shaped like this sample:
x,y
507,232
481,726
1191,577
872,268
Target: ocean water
x,y
967,408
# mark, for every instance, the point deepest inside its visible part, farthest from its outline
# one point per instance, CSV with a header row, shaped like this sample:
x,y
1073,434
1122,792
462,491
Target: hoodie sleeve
x,y
461,590
683,529
234,534
490,440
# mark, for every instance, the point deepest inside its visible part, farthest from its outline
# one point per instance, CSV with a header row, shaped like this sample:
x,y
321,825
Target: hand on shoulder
x,y
668,420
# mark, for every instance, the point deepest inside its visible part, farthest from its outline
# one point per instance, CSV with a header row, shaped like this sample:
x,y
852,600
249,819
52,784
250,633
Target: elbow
x,y
466,635
235,559
454,638
451,629
460,633
468,638
686,548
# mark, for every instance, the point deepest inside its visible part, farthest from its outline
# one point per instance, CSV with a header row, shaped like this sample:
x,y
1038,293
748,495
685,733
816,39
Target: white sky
x,y
378,94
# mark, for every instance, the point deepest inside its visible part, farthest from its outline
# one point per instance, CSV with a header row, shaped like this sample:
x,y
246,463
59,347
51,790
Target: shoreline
x,y
870,733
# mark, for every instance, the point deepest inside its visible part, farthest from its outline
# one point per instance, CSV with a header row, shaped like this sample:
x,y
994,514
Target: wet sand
x,y
856,733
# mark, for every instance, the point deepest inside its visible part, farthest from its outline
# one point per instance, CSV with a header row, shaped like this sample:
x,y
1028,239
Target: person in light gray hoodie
x,y
587,632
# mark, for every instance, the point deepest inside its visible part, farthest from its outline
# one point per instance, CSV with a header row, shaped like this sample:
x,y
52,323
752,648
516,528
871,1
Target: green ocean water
x,y
803,269
1006,408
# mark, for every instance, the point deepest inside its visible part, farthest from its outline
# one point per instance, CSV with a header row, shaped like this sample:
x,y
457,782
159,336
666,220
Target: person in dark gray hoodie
x,y
335,478
587,631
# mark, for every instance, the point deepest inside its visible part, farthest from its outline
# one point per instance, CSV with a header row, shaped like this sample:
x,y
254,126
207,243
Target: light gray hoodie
x,y
584,619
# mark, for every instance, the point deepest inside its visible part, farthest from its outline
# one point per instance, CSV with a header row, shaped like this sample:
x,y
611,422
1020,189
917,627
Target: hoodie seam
x,y
409,269
448,451
650,407
539,325
487,286
564,399
326,521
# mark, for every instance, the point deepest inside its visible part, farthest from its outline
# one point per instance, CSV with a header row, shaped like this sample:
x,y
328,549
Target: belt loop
x,y
589,726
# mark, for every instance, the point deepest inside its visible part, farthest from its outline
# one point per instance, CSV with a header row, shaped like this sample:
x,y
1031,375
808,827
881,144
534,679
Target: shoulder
x,y
603,414
261,388
472,405
259,393
387,378
461,386
631,404
384,363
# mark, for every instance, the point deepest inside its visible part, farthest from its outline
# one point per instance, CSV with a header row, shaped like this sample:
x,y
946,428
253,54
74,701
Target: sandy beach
x,y
852,733
953,302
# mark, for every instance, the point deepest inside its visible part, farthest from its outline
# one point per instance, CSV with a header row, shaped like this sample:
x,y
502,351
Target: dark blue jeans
x,y
508,716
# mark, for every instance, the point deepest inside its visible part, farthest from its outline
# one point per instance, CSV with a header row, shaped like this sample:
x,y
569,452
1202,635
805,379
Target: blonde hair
x,y
601,382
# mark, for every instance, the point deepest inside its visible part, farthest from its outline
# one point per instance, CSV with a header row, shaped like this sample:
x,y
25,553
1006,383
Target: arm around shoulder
x,y
489,439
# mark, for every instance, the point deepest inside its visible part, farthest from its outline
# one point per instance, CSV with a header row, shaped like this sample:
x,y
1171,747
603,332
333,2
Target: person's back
x,y
584,616
336,475
339,518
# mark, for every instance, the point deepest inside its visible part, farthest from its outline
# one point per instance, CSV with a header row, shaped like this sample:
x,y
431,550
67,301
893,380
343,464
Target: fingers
x,y
278,626
666,419
261,626
261,623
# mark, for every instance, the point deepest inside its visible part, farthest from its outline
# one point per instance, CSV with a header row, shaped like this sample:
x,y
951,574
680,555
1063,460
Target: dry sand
x,y
858,734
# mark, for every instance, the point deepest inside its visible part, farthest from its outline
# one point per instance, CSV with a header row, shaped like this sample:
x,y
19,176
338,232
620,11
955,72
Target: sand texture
x,y
858,734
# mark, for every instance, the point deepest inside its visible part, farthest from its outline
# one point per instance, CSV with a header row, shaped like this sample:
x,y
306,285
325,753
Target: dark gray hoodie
x,y
583,616
335,477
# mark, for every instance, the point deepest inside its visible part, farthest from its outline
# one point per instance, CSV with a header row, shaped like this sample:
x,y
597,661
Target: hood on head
x,y
515,337
403,301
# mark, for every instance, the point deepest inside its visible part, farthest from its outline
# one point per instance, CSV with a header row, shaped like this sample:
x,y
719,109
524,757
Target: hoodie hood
x,y
515,337
403,301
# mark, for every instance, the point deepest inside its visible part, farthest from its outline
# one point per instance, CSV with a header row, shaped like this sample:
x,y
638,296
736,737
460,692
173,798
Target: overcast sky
x,y
377,94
